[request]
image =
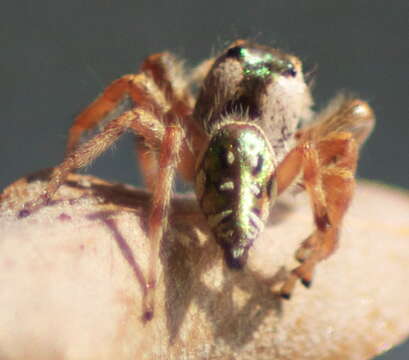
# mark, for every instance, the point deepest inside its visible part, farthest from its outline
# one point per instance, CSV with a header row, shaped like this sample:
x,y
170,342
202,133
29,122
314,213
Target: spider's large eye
x,y
235,52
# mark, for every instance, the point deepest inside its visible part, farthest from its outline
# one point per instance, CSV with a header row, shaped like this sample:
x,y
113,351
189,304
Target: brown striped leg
x,y
327,156
337,183
168,75
330,187
140,88
343,114
168,160
139,120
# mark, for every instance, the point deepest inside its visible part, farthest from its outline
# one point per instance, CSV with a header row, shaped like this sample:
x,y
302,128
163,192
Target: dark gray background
x,y
56,56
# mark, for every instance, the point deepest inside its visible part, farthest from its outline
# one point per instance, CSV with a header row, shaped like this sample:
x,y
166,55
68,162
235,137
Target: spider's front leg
x,y
141,121
160,97
140,88
161,87
168,161
326,156
156,136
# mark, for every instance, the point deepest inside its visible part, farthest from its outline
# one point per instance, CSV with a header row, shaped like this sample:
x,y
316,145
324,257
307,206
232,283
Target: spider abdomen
x,y
234,186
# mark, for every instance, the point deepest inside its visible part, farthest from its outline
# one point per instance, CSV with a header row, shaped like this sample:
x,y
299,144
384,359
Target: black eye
x,y
290,71
234,52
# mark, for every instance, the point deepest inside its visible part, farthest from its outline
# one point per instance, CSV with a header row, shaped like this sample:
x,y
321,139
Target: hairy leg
x,y
161,88
168,160
167,140
140,88
168,74
141,121
330,189
327,157
343,114
159,103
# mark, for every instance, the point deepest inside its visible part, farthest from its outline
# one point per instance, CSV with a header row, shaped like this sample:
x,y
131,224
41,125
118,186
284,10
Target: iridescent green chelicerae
x,y
235,187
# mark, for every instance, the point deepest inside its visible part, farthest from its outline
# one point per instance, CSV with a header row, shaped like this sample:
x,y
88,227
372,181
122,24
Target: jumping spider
x,y
237,141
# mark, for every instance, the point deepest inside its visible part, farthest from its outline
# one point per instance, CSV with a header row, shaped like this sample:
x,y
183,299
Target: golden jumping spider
x,y
248,135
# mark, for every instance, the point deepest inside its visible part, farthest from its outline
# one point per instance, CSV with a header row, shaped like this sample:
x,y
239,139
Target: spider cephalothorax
x,y
237,142
262,83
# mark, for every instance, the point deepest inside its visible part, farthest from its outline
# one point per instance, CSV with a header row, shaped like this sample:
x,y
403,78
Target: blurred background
x,y
57,56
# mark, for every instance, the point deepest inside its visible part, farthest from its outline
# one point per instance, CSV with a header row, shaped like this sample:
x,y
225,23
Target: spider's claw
x,y
149,301
306,282
33,206
288,286
285,296
147,315
148,311
305,273
23,213
27,210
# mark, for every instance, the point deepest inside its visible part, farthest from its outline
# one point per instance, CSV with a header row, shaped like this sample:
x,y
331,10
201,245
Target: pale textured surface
x,y
70,290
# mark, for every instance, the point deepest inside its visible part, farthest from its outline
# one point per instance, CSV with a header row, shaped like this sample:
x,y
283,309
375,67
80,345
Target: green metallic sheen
x,y
261,64
250,144
250,173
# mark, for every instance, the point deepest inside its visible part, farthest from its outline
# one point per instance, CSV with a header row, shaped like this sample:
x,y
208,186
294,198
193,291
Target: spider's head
x,y
265,83
235,187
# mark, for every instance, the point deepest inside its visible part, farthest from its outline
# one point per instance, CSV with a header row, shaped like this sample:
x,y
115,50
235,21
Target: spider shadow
x,y
188,264
90,186
107,218
185,269
188,260
83,186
